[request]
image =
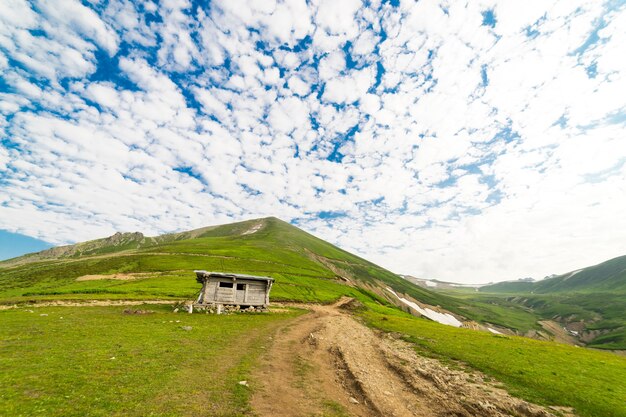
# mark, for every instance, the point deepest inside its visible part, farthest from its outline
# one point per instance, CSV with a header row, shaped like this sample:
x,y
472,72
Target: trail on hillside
x,y
327,363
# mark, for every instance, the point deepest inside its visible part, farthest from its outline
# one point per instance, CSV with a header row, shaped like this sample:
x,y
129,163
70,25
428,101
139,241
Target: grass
x,y
98,361
591,382
599,311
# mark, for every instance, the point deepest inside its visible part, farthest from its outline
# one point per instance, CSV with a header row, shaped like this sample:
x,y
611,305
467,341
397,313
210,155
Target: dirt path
x,y
326,363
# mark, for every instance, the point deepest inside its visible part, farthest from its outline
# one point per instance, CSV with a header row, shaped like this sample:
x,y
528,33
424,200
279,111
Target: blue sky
x,y
471,142
14,244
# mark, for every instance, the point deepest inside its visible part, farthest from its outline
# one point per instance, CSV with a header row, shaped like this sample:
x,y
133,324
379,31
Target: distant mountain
x,y
609,276
437,284
589,303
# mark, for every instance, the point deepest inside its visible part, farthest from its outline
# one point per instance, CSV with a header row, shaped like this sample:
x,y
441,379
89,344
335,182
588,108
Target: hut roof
x,y
203,275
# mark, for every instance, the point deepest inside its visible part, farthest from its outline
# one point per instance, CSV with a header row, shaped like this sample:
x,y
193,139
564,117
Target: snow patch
x,y
253,229
494,331
430,283
571,274
443,318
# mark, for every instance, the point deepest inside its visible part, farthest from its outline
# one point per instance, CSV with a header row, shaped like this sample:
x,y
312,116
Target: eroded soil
x,y
327,363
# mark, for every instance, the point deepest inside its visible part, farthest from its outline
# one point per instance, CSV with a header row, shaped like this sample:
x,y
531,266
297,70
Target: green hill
x,y
609,276
590,303
131,266
134,267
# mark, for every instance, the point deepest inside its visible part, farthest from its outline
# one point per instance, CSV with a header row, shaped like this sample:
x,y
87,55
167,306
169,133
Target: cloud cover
x,y
470,142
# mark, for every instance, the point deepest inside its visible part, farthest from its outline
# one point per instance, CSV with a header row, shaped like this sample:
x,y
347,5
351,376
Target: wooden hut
x,y
222,289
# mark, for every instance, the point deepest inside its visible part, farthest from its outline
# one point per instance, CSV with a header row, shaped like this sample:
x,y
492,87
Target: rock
x,y
43,315
175,310
186,328
112,358
244,383
354,400
131,311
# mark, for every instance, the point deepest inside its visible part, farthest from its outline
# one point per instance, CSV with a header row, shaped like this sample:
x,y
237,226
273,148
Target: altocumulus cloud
x,y
469,142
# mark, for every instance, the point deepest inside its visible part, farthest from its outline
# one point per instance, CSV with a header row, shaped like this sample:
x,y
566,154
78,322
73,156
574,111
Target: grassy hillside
x,y
98,361
132,266
606,277
548,373
590,302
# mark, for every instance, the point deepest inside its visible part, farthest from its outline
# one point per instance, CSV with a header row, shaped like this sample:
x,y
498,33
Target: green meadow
x,y
99,361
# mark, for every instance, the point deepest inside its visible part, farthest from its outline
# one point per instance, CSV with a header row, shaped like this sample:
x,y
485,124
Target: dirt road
x,y
326,363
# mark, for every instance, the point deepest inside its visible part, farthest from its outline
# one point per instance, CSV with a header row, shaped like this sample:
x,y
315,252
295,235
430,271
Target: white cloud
x,y
477,153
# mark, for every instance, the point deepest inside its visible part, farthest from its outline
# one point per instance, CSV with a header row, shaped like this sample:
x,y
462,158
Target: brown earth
x,y
327,363
559,334
119,277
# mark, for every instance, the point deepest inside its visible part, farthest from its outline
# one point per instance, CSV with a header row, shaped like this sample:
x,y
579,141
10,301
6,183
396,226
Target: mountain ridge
x,y
606,276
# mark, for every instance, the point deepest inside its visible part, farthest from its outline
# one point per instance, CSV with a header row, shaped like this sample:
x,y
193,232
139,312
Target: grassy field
x,y
98,361
591,382
63,366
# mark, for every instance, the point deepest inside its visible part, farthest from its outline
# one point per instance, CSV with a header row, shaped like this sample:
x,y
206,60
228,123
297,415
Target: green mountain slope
x,y
590,303
609,276
306,268
132,266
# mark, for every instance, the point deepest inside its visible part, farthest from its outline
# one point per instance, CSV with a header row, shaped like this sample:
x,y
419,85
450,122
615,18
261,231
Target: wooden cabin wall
x,y
255,293
225,294
209,294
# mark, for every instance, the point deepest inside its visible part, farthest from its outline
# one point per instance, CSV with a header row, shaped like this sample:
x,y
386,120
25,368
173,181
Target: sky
x,y
464,141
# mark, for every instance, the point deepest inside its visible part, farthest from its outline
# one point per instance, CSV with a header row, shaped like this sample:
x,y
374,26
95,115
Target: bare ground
x,y
119,277
326,363
559,334
85,303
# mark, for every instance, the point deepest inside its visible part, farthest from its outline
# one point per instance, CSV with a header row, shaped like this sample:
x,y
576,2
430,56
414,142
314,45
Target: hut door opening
x,y
240,297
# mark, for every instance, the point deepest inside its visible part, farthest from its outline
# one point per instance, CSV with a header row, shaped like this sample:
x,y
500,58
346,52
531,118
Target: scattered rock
x,y
131,311
354,400
175,310
352,305
43,315
186,328
244,383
